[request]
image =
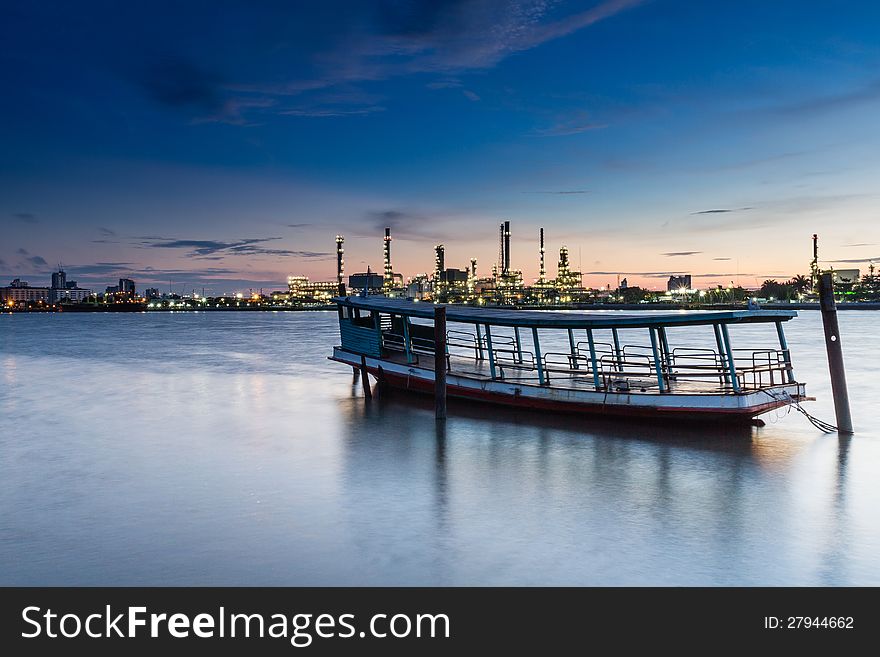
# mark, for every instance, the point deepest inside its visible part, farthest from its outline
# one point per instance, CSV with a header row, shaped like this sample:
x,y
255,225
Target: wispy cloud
x,y
673,254
26,217
22,251
867,93
470,95
855,261
446,83
560,191
106,232
721,258
723,211
861,244
396,39
248,247
37,261
572,125
299,225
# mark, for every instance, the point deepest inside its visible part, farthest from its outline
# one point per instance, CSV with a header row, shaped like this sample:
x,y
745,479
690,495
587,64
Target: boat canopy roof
x,y
568,319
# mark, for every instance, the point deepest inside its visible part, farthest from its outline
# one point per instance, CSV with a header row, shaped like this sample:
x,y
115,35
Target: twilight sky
x,y
225,144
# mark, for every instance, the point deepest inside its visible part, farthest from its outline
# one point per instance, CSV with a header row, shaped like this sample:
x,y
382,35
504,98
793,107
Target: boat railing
x,y
567,363
632,366
513,359
759,368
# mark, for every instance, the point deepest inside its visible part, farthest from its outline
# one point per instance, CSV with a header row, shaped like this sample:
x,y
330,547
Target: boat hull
x,y
741,407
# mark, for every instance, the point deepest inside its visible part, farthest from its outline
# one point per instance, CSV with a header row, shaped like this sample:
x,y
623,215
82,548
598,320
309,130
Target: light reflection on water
x,y
225,449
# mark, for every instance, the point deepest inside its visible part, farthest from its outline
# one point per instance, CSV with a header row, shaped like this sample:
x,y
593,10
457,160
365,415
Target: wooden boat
x,y
577,361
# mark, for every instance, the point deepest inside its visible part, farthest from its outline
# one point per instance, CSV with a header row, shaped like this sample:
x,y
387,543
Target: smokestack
x,y
388,279
474,267
501,247
439,261
506,247
340,263
542,271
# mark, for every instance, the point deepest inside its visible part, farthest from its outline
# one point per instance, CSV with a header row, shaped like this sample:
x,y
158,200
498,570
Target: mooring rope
x,y
821,425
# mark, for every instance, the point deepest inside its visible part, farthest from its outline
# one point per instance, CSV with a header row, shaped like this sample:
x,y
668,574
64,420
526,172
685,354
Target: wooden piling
x,y
440,362
835,354
365,379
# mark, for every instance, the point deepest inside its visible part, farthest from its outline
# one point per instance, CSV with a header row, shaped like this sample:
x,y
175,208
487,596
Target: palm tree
x,y
800,283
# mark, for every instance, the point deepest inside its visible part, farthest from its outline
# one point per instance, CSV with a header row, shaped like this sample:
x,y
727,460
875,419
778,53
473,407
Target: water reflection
x,y
261,463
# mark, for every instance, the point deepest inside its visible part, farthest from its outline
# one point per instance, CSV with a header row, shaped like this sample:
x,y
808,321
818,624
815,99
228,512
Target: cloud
x,y
674,254
723,211
573,125
470,95
106,232
2,263
250,246
327,112
299,225
26,217
561,191
446,83
861,244
21,251
867,93
394,39
666,274
721,258
855,261
178,82
37,261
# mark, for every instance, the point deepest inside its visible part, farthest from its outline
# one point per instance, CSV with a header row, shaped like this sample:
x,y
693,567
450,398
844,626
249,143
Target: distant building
x,y
74,294
452,276
65,290
152,293
19,292
845,276
678,283
624,284
300,288
371,281
59,280
126,286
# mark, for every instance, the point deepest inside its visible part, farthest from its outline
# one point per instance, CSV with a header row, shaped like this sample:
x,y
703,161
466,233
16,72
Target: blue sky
x,y
225,144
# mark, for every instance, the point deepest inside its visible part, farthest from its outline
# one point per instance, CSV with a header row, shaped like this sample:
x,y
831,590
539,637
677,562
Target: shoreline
x,y
866,305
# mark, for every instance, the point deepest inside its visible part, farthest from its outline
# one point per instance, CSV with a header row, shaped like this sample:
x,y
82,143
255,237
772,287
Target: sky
x,y
223,145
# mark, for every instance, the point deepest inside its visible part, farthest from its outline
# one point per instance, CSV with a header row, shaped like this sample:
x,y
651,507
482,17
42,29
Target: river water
x,y
225,449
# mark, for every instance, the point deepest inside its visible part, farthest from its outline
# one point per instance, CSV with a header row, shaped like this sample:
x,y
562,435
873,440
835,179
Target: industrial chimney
x,y
388,279
340,263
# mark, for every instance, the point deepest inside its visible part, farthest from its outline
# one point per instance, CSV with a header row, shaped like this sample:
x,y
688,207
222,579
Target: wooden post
x,y
365,379
440,362
835,354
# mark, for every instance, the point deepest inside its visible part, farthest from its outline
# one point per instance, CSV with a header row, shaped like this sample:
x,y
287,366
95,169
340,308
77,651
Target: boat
x,y
643,364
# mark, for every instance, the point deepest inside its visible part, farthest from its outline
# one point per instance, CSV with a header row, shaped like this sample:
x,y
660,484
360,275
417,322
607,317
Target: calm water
x,y
224,449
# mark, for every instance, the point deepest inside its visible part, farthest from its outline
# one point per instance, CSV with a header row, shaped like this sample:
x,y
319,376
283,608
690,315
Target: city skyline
x,y
226,151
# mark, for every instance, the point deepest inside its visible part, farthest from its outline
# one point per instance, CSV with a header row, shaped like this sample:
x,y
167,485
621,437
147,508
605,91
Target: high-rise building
x,y
340,262
59,280
126,286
